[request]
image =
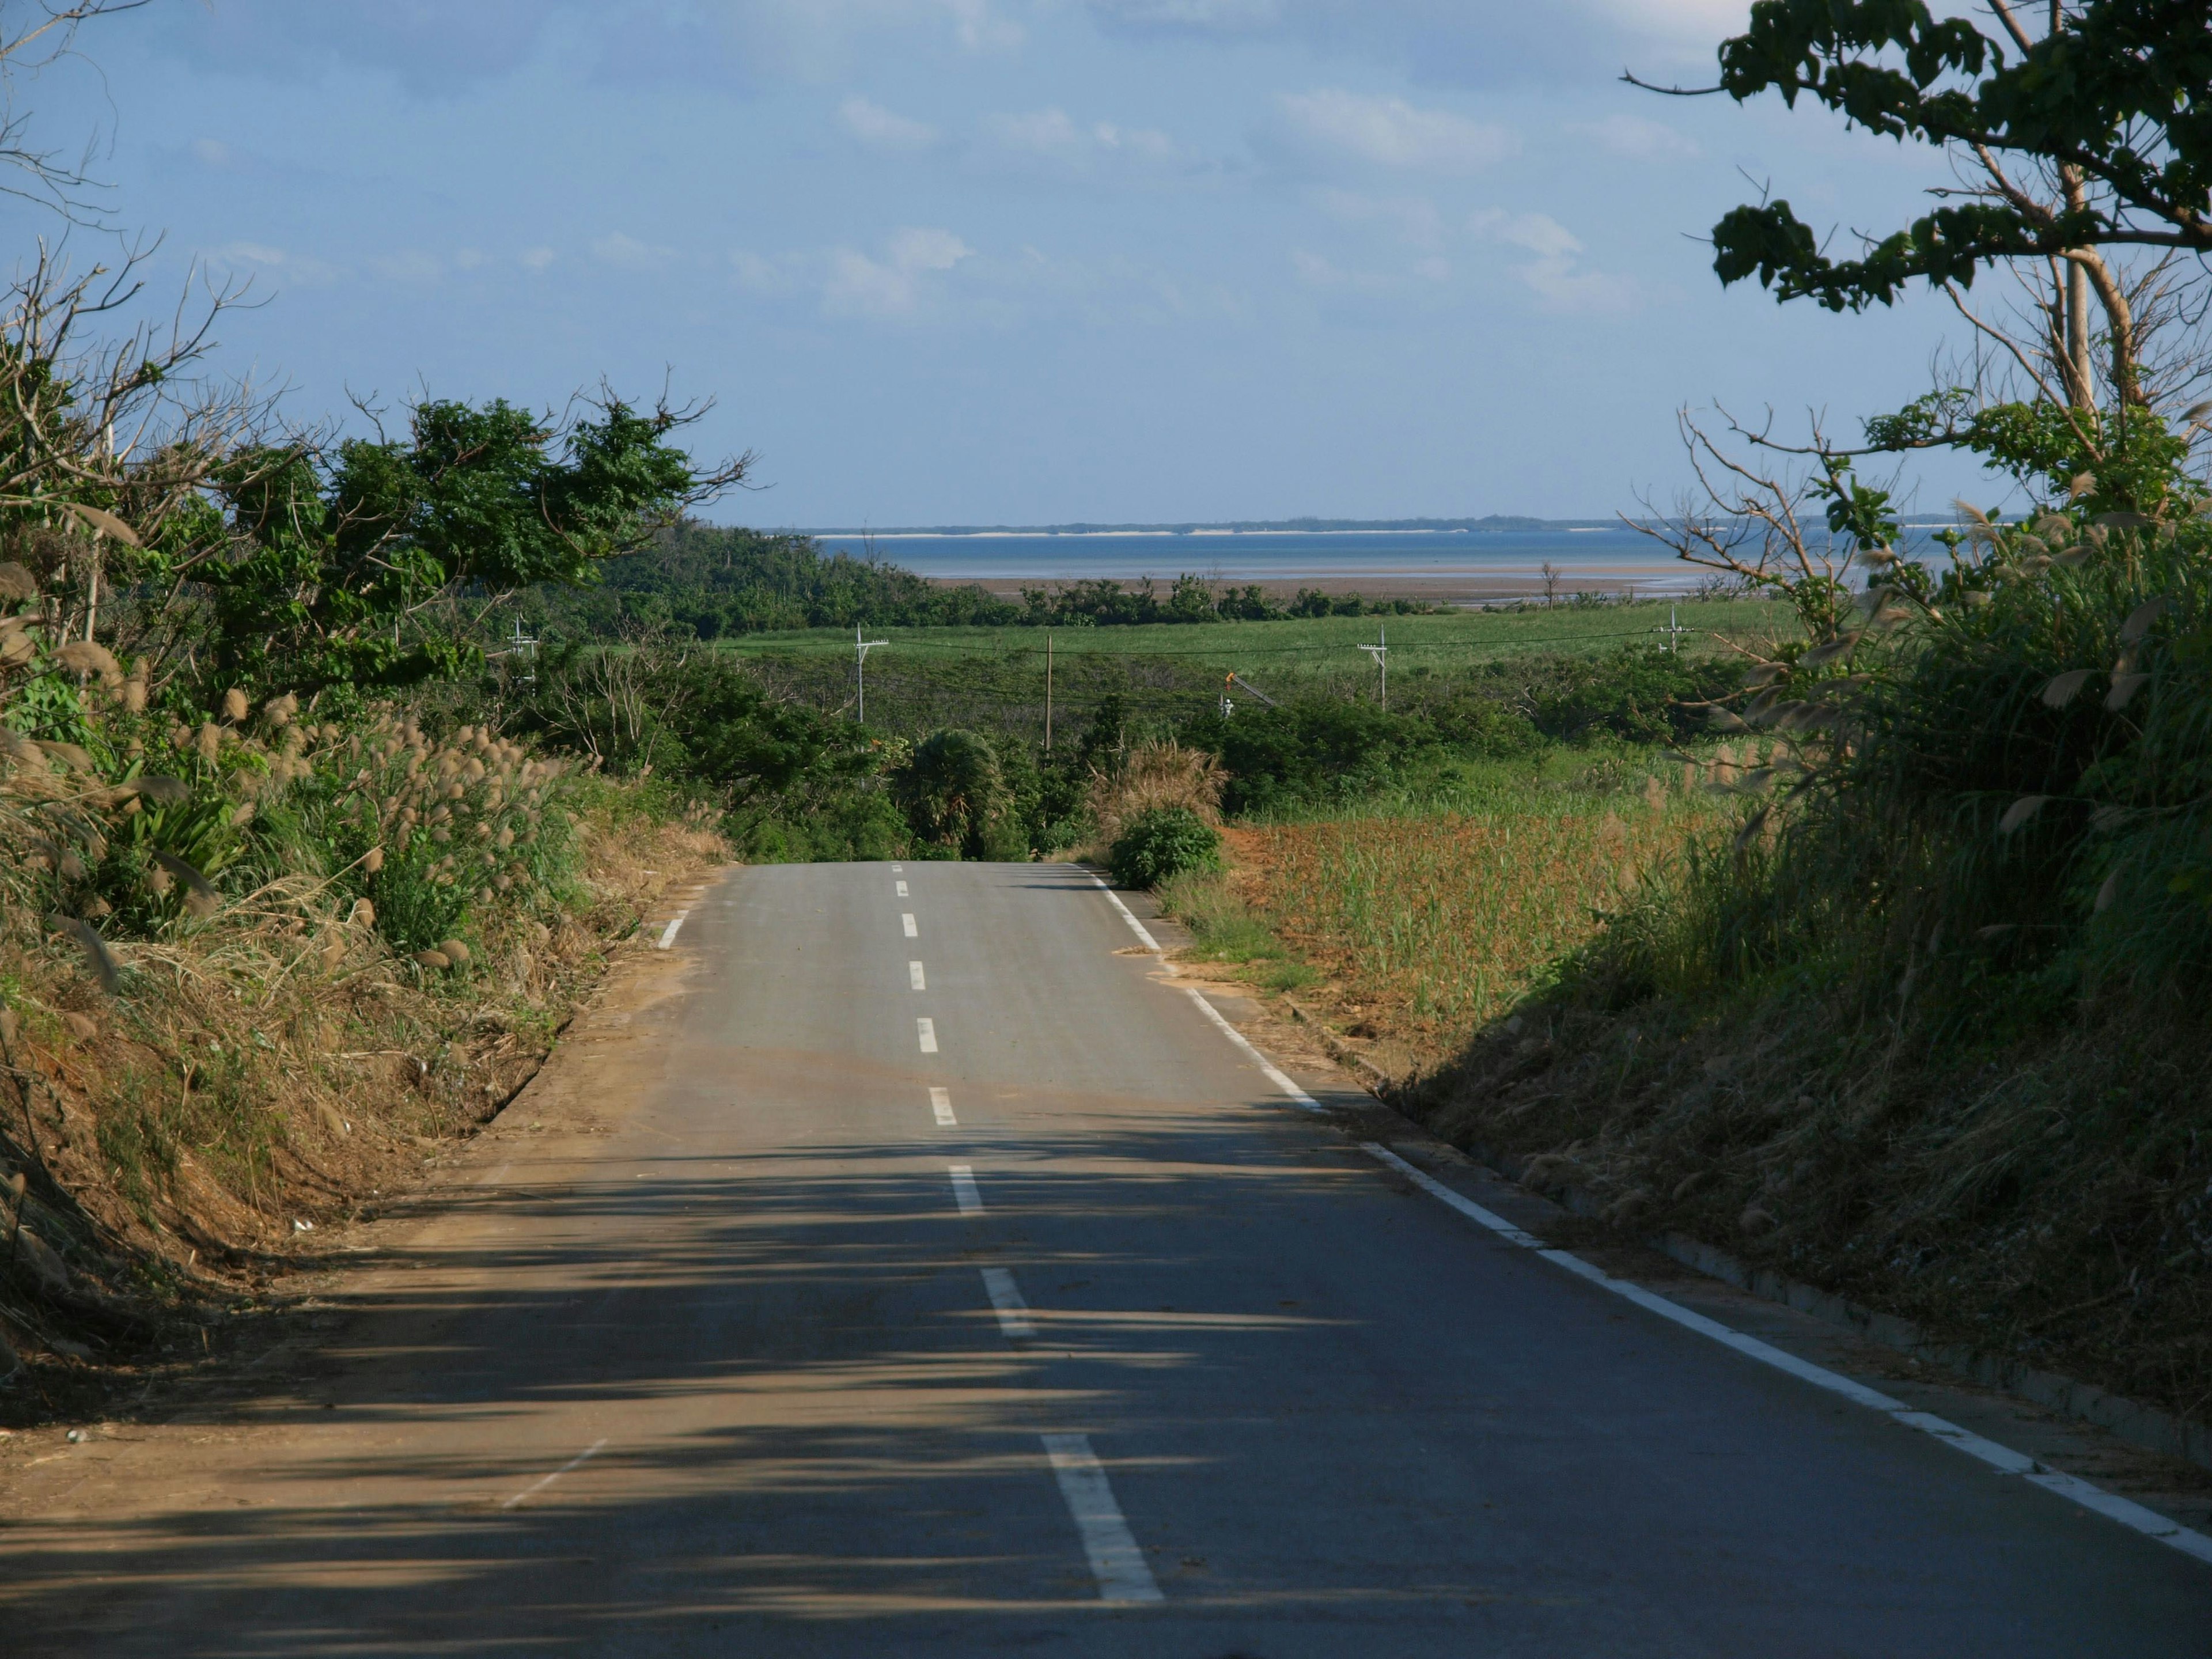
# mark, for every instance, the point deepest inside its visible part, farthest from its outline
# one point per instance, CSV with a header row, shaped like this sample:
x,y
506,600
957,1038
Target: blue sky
x,y
1018,261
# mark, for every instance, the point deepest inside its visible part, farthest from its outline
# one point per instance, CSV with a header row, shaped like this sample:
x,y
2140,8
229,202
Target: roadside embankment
x,y
209,1059
2034,1194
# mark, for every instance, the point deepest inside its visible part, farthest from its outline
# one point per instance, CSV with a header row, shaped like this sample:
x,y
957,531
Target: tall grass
x,y
1439,921
1927,1025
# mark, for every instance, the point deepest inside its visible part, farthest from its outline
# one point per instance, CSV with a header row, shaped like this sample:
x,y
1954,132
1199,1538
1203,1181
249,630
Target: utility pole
x,y
860,649
1381,651
1047,691
525,646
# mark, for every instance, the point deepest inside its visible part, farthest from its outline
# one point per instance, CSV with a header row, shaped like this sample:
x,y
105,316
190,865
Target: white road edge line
x,y
963,1191
2002,1459
668,933
1007,1302
1298,1096
1116,1561
940,1103
538,1485
2005,1461
906,921
1127,915
914,977
927,1030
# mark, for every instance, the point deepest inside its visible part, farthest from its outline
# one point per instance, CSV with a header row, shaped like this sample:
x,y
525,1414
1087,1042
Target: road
x,y
926,1273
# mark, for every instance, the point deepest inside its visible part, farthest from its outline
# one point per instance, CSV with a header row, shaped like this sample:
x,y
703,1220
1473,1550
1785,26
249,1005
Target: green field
x,y
993,679
1326,644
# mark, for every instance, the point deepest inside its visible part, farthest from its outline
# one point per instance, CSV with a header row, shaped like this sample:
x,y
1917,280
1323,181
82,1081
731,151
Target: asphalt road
x,y
954,1285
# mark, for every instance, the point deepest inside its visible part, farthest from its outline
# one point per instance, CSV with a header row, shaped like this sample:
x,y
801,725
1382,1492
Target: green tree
x,y
2082,139
355,568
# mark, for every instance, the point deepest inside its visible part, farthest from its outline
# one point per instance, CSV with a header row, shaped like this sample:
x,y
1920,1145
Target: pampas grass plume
x,y
2062,688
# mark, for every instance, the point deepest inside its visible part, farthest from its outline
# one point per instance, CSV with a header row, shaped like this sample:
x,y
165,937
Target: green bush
x,y
1164,841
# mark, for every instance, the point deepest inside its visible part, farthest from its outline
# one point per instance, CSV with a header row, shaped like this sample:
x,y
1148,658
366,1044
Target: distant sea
x,y
1492,564
1462,566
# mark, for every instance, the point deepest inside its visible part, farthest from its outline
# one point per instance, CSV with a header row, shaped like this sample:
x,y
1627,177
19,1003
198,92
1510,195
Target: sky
x,y
1011,261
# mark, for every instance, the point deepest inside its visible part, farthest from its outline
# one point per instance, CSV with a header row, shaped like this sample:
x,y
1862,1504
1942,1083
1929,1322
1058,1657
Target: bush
x,y
1164,841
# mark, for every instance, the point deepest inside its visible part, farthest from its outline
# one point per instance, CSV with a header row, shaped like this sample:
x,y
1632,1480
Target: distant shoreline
x,y
1498,523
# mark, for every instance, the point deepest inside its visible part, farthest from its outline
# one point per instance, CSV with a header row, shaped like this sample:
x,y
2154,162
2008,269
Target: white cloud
x,y
537,259
1055,135
1196,16
1555,276
874,125
891,287
1040,132
1415,220
1392,133
628,253
1684,22
261,257
760,275
1639,139
1562,288
1539,233
410,265
1317,272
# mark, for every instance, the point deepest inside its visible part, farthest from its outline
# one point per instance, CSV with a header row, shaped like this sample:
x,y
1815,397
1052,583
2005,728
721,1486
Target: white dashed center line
x,y
914,976
940,1103
965,1196
927,1030
538,1485
906,921
902,890
1007,1301
1115,1560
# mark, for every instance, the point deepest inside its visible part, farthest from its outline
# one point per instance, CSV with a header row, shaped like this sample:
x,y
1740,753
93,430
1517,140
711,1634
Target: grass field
x,y
995,677
1308,645
1424,925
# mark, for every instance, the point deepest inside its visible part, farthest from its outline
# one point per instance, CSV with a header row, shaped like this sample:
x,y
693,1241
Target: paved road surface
x,y
953,1286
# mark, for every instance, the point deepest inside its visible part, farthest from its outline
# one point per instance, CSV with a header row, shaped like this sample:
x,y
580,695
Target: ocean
x,y
1463,566
1452,564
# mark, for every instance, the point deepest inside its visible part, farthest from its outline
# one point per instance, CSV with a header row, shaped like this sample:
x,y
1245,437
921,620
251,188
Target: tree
x,y
352,565
2092,140
33,34
2083,156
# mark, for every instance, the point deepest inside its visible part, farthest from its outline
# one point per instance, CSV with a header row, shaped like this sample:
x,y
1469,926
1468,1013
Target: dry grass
x,y
182,1097
1153,775
1431,925
2044,1198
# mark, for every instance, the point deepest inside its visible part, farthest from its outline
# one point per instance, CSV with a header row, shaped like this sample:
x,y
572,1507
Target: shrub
x,y
1163,842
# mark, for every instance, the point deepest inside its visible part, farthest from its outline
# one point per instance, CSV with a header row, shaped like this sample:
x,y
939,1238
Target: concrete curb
x,y
1377,1079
